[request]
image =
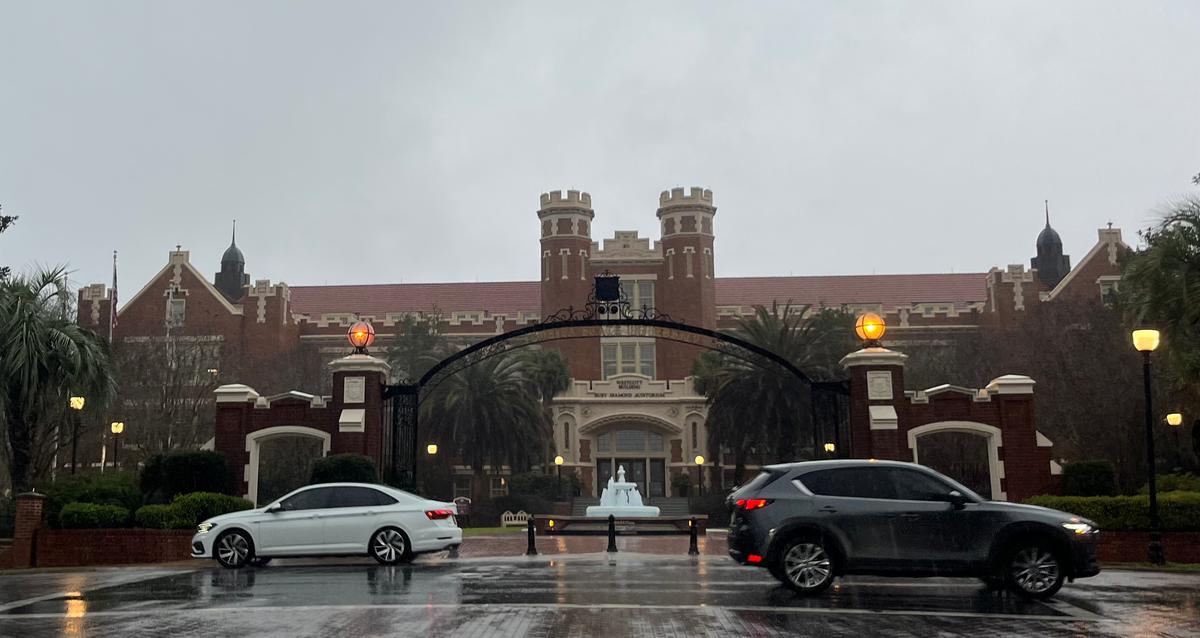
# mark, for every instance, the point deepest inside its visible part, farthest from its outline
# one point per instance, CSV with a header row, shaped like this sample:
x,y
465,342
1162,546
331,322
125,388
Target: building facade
x,y
631,401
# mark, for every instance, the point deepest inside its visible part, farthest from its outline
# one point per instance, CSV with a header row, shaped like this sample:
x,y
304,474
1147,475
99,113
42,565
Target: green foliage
x,y
542,485
547,371
93,516
753,402
196,507
1180,482
44,358
1088,478
345,468
166,475
159,517
101,489
1178,511
714,507
419,346
488,413
5,222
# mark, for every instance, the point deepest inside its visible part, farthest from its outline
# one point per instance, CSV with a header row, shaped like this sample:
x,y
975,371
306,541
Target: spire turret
x,y
232,277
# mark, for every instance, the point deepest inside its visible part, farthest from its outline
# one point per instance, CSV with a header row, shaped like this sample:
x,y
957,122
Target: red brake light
x,y
437,515
754,558
752,503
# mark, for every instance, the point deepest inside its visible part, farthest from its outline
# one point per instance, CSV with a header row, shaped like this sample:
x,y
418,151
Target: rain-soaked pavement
x,y
592,594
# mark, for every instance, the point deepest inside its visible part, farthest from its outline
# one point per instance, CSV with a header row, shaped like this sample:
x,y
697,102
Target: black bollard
x,y
531,550
693,544
612,534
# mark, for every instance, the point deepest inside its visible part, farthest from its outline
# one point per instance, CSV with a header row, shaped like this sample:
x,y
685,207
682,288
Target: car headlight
x,y
1079,528
204,527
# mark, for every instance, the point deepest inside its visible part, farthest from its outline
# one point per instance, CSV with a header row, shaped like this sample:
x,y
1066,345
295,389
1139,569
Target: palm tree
x,y
755,406
488,414
547,370
44,358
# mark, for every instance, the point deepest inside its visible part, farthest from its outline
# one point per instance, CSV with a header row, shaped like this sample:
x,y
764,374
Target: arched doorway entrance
x,y
966,451
281,458
637,443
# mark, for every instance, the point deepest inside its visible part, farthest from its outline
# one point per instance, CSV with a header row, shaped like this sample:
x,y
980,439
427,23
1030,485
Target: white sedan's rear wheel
x,y
389,546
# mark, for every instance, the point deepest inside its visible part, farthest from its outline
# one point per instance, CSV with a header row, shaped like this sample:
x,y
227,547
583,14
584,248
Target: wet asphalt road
x,y
578,595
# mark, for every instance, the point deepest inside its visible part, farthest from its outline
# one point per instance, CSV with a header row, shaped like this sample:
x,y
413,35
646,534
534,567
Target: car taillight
x,y
437,515
752,503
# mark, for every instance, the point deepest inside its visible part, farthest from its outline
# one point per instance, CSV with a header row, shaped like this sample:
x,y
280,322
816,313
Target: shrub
x,y
100,489
344,468
191,509
93,516
159,517
1178,511
1181,482
530,504
1088,478
165,476
542,485
714,507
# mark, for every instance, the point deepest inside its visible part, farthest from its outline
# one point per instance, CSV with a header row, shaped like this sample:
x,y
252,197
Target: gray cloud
x,y
379,142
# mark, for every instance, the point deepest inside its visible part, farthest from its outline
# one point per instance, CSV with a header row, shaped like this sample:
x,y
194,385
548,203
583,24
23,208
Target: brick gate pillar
x,y
29,519
358,382
876,391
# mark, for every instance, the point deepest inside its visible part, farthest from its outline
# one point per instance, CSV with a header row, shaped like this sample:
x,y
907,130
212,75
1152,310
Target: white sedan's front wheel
x,y
389,546
234,549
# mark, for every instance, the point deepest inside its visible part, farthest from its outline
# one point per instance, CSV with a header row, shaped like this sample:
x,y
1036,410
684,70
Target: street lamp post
x,y
76,404
1145,340
558,462
117,428
700,474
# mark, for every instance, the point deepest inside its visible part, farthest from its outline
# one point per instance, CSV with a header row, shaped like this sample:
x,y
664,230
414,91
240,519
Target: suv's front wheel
x,y
1033,569
805,565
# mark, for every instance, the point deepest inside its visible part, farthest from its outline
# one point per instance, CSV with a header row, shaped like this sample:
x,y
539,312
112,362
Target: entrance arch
x,y
255,440
990,433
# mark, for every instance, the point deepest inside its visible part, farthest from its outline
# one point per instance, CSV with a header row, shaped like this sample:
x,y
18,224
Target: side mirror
x,y
275,508
956,499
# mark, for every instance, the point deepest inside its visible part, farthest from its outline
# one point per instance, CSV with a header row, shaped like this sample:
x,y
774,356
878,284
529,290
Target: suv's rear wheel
x,y
1033,569
805,565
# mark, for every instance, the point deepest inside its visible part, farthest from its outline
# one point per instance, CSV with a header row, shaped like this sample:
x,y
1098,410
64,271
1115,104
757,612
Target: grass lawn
x,y
1169,567
487,531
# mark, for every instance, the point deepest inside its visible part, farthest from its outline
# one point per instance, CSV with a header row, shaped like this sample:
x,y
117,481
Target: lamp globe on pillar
x,y
76,404
1174,419
431,449
870,328
1145,340
361,335
117,428
558,463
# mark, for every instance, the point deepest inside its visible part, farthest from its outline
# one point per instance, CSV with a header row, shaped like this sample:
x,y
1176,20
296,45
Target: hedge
x,y
93,516
101,489
159,517
1178,511
191,509
165,476
1089,478
345,468
542,485
1180,482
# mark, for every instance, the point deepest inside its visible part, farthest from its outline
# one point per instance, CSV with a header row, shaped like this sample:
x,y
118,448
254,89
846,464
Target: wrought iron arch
x,y
607,313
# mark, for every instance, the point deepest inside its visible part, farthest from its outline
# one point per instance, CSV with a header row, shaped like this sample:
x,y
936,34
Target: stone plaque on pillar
x,y
879,385
354,390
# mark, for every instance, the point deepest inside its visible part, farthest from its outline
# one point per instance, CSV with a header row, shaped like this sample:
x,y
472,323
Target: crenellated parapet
x,y
677,197
686,212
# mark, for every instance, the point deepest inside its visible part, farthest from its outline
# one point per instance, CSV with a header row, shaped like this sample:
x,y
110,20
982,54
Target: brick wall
x,y
81,547
1130,547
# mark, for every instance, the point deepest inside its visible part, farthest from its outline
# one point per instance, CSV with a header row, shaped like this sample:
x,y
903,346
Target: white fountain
x,y
621,499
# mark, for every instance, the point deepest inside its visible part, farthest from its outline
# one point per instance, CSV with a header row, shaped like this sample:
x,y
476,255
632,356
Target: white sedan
x,y
331,519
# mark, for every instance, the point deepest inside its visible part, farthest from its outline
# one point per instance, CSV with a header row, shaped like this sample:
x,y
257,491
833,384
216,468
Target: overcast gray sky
x,y
384,141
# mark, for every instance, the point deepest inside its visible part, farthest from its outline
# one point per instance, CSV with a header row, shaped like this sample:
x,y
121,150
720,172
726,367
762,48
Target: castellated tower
x,y
566,222
687,285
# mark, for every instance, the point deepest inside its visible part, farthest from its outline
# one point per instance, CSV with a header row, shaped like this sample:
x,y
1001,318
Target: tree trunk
x,y
19,439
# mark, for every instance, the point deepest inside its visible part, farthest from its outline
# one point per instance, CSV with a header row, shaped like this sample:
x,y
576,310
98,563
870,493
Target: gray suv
x,y
809,522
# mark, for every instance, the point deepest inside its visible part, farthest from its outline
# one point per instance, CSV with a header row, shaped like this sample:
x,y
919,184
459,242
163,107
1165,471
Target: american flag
x,y
112,308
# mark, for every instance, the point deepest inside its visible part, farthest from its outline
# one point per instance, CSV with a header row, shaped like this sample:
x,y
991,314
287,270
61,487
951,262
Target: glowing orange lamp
x,y
361,335
870,328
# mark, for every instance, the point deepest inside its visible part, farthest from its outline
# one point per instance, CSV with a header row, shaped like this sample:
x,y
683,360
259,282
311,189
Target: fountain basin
x,y
603,511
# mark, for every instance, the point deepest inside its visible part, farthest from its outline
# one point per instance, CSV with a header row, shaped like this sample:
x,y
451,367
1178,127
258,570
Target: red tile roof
x,y
510,297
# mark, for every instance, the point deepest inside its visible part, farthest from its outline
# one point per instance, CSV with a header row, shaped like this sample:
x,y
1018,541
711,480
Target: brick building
x,y
631,401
